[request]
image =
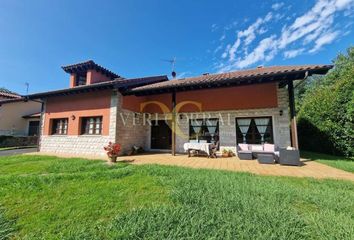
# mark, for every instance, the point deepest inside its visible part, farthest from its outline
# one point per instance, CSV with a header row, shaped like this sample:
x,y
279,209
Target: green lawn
x,y
50,198
346,164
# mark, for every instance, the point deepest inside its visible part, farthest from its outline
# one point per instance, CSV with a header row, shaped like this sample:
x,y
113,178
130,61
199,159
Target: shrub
x,y
325,119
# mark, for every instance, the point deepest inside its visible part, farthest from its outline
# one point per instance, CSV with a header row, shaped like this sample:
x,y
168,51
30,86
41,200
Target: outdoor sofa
x,y
251,151
283,156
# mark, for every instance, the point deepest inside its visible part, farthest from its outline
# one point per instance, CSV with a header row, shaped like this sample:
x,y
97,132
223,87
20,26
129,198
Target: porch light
x,y
73,117
281,112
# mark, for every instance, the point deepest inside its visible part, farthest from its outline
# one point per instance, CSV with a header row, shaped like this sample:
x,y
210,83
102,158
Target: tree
x,y
325,119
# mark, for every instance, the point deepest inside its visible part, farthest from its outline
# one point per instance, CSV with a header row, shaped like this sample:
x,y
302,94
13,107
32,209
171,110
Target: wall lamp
x,y
281,112
73,117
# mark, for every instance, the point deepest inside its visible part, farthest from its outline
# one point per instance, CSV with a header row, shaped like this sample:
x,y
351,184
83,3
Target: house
x,y
18,117
253,106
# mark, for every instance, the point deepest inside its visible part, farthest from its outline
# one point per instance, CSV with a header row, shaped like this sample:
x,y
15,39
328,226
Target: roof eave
x,y
257,79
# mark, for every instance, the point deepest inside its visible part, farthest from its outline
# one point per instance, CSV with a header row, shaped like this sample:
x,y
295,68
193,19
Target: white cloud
x,y
265,51
293,53
248,35
183,74
307,33
277,6
214,27
217,49
324,39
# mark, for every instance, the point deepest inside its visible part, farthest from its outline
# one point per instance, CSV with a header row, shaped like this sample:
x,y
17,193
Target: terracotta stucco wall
x,y
232,98
11,116
92,76
81,105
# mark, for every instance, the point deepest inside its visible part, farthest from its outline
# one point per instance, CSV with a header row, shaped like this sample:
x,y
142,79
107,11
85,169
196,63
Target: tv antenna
x,y
173,63
27,87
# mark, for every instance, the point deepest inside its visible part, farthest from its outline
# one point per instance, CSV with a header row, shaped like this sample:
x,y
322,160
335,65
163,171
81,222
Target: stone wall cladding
x,y
83,144
131,130
227,128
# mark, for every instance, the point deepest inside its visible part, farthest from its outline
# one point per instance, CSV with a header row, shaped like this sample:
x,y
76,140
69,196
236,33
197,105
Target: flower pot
x,y
225,155
113,159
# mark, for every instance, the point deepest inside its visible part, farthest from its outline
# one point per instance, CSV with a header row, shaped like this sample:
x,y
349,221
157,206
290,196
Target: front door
x,y
33,128
160,135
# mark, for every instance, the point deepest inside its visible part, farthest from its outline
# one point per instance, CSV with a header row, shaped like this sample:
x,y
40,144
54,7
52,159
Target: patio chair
x,y
214,148
289,157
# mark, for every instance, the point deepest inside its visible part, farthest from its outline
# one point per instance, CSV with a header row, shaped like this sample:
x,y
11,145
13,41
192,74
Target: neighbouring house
x,y
18,117
253,106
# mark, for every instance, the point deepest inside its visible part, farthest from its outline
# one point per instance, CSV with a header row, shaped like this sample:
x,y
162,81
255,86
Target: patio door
x,y
161,135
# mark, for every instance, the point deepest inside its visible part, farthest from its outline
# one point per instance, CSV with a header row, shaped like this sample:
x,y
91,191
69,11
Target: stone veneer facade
x,y
227,128
131,129
82,144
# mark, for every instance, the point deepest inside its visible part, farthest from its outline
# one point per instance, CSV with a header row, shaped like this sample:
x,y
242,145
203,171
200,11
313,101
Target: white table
x,y
205,147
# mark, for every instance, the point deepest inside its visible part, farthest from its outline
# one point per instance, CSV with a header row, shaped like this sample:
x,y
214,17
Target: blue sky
x,y
132,37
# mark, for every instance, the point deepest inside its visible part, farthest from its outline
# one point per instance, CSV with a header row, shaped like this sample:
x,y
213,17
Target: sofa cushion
x,y
256,147
268,147
243,146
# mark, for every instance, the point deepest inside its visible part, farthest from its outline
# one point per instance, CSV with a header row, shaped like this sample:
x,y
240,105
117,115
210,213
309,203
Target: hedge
x,y
325,118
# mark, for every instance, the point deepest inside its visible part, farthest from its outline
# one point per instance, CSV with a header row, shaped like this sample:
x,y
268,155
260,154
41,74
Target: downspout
x,y
40,120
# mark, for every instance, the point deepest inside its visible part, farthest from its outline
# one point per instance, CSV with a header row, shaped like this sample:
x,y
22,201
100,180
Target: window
x,y
204,129
60,126
80,80
91,125
256,130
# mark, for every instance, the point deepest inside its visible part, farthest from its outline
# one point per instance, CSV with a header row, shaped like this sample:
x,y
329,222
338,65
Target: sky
x,y
135,38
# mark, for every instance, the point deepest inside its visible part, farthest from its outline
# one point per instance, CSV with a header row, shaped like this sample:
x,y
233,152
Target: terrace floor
x,y
308,169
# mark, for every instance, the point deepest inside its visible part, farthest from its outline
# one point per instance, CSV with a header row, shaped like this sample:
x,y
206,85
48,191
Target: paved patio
x,y
308,169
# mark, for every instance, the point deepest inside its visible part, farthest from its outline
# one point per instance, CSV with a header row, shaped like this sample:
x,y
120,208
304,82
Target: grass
x,y
6,226
346,164
52,198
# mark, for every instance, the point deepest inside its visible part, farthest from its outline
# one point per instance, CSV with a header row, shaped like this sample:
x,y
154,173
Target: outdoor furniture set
x,y
268,154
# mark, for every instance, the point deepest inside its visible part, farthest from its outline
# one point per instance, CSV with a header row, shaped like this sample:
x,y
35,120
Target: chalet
x,y
252,106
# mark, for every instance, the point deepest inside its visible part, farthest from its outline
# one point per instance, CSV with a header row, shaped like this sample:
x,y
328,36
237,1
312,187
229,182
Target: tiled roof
x,y
120,84
87,65
8,94
274,73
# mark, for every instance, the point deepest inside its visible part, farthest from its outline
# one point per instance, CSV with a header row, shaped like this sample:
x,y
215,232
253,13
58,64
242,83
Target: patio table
x,y
205,147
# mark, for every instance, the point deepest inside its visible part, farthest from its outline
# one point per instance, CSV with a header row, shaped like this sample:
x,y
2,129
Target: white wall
x,y
11,120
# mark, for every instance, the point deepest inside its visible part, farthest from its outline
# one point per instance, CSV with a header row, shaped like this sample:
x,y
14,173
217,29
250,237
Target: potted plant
x,y
231,153
112,150
225,153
